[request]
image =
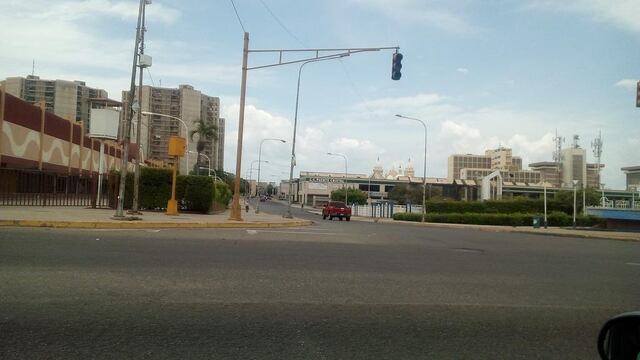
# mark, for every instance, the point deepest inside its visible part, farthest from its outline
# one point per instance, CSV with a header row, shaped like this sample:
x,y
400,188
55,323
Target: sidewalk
x,y
554,231
86,218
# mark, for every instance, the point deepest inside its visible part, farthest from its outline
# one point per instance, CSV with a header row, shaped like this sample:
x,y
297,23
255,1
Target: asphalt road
x,y
334,290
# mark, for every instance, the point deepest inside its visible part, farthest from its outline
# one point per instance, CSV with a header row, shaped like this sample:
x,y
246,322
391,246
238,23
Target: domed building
x,y
392,174
408,170
378,171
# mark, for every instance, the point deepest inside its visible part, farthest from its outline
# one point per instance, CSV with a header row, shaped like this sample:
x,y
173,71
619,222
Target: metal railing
x,y
37,188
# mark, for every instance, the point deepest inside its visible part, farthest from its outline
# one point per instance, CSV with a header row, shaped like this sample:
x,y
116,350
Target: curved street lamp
x,y
295,128
345,175
424,174
260,162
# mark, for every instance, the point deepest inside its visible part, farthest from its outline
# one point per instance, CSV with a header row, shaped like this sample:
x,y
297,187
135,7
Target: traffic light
x,y
396,66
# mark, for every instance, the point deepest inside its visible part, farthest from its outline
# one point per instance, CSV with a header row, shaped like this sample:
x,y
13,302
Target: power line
x,y
150,77
281,24
354,88
237,15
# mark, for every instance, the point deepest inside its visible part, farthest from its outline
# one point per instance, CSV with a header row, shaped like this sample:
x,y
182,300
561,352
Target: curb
x,y
146,225
492,228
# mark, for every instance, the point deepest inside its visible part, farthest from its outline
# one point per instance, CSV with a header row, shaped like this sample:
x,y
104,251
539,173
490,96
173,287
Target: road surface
x,y
334,290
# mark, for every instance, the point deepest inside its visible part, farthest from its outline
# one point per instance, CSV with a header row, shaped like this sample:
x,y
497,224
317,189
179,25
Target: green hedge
x,y
514,219
222,195
194,193
518,205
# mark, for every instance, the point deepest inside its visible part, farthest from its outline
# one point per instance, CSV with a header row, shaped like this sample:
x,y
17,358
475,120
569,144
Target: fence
x,y
383,210
37,188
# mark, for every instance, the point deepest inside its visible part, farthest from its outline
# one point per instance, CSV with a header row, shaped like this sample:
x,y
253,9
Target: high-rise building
x,y
190,106
482,165
572,166
71,100
456,162
549,172
633,177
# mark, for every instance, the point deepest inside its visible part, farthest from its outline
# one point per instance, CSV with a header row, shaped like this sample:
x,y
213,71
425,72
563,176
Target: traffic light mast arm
x,y
318,56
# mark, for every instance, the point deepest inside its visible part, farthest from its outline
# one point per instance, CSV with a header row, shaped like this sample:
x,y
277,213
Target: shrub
x,y
221,195
517,205
194,192
513,219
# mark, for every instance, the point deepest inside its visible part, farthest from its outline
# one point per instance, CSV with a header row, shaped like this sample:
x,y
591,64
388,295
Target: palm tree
x,y
206,132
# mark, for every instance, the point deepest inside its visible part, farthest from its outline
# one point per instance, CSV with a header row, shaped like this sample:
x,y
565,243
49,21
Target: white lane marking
x,y
252,232
633,264
153,231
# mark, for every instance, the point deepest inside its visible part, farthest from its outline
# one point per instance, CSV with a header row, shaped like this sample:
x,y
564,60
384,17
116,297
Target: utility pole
x,y
127,133
236,212
141,66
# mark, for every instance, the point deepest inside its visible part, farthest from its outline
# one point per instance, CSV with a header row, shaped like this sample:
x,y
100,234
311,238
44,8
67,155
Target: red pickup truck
x,y
336,209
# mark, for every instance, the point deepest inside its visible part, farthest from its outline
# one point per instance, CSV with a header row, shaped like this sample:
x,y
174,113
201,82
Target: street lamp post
x,y
259,163
205,155
295,128
251,173
186,130
345,175
424,170
575,188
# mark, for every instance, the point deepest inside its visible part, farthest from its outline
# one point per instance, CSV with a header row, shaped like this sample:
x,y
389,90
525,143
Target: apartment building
x,y
71,100
189,105
493,159
572,166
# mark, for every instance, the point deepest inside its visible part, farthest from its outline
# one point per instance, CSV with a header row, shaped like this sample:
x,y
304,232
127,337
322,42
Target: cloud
x,y
620,13
462,70
67,40
420,12
76,10
451,129
628,84
417,101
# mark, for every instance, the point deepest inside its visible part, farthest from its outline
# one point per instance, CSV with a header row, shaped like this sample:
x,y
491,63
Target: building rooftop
x,y
106,102
631,169
543,163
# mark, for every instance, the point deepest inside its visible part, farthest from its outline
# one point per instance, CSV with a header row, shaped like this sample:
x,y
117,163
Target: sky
x,y
480,73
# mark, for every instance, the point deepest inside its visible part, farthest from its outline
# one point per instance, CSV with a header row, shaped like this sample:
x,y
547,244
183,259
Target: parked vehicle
x,y
336,209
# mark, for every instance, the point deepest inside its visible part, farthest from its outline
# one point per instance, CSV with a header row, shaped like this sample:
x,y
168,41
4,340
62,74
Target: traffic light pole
x,y
320,54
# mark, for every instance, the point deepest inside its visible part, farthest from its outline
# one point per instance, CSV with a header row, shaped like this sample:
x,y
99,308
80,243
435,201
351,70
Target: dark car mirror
x,y
619,338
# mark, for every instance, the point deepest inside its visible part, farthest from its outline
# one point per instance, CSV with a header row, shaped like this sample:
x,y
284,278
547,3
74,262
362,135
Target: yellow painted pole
x,y
172,205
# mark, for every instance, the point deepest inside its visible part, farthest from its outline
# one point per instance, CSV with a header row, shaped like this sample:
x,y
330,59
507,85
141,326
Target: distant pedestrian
x,y
302,206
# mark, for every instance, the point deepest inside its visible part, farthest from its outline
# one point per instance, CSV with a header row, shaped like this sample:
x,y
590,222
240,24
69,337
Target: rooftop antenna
x,y
576,138
33,67
596,145
557,157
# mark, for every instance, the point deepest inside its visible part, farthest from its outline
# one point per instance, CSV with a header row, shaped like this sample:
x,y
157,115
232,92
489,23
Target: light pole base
x,y
172,207
236,212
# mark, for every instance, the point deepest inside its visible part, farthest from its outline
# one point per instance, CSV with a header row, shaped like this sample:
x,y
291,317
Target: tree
x,y
271,190
592,197
355,196
407,194
206,132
